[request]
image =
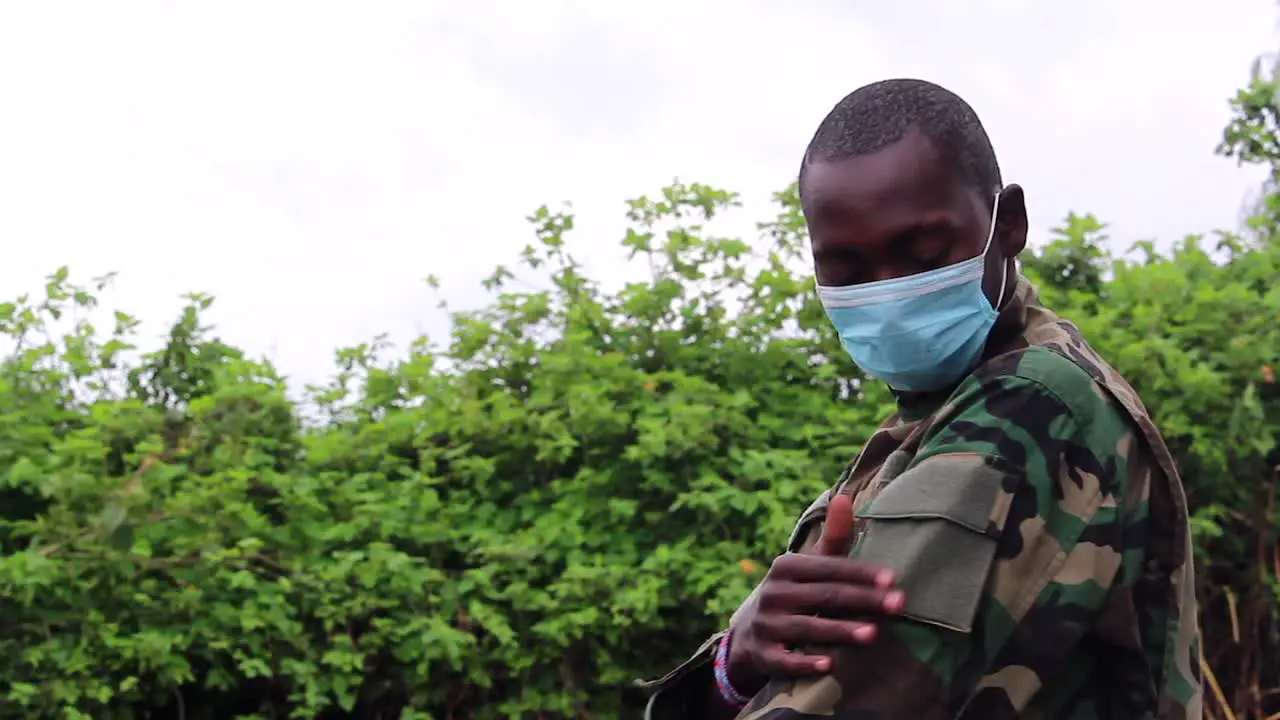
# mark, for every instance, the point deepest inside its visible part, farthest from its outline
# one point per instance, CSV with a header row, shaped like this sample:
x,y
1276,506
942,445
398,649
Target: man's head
x,y
900,179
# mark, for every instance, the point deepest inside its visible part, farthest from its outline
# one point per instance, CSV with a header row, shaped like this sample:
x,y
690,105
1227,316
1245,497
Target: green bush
x,y
569,494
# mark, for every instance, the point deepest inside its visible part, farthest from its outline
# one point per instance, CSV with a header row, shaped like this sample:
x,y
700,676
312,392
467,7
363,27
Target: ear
x,y
1011,221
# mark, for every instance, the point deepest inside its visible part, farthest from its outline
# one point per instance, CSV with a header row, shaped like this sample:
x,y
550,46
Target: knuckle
x,y
797,664
769,593
776,594
772,626
868,571
791,626
831,631
817,629
858,571
783,563
762,621
858,597
771,664
798,628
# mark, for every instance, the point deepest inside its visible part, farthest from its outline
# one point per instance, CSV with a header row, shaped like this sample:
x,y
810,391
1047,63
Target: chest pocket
x,y
936,526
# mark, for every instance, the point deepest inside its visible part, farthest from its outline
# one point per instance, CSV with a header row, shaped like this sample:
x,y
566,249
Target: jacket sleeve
x,y
674,693
1006,536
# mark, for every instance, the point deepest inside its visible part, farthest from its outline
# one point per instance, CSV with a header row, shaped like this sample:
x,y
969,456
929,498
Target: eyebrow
x,y
835,252
900,239
927,227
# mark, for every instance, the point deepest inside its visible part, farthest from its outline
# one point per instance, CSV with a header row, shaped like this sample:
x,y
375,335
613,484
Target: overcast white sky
x,y
310,161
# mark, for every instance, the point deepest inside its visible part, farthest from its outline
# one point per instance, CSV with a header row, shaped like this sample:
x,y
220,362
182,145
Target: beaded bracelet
x,y
721,671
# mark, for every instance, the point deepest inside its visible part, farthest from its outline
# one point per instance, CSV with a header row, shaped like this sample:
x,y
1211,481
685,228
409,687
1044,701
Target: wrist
x,y
736,681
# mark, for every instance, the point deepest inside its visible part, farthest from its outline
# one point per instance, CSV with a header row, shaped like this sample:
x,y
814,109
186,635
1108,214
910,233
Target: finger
x,y
837,528
802,567
778,662
840,599
791,630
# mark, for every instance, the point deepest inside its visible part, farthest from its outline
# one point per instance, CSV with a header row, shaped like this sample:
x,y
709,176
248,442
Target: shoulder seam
x,y
1072,410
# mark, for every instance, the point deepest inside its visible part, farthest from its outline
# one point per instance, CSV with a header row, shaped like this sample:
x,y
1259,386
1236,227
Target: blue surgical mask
x,y
921,332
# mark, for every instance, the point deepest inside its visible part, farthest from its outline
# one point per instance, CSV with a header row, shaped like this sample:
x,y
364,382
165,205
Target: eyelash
x,y
931,261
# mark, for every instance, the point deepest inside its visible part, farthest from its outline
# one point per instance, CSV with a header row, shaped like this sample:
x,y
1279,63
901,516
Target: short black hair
x,y
877,115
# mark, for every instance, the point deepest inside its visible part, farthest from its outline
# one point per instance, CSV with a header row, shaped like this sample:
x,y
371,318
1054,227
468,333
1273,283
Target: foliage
x,y
1198,339
594,480
567,495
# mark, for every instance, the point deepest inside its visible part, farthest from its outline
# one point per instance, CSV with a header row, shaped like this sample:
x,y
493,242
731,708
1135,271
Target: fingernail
x,y
821,664
884,578
894,601
866,633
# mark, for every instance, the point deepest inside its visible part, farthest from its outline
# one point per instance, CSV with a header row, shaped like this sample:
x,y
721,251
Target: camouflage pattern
x,y
1038,526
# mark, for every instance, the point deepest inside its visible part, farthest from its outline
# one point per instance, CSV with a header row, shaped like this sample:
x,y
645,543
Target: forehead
x,y
905,180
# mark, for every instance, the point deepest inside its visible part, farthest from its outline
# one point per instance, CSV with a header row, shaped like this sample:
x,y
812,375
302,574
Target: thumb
x,y
837,528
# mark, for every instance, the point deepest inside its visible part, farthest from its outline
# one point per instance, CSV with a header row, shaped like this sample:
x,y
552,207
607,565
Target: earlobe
x,y
1012,221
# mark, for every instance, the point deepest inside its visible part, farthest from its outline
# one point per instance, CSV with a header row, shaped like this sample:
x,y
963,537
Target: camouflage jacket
x,y
1038,527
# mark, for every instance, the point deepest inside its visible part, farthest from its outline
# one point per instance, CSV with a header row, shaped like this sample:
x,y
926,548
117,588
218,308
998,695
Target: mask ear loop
x,y
1004,266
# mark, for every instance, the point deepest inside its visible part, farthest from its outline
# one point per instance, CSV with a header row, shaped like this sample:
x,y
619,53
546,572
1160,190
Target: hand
x,y
807,599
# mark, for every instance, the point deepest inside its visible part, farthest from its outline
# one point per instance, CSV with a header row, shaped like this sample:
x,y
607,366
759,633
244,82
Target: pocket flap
x,y
936,526
968,489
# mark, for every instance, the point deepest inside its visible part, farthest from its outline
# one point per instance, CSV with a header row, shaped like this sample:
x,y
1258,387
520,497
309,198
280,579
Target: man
x,y
1013,541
